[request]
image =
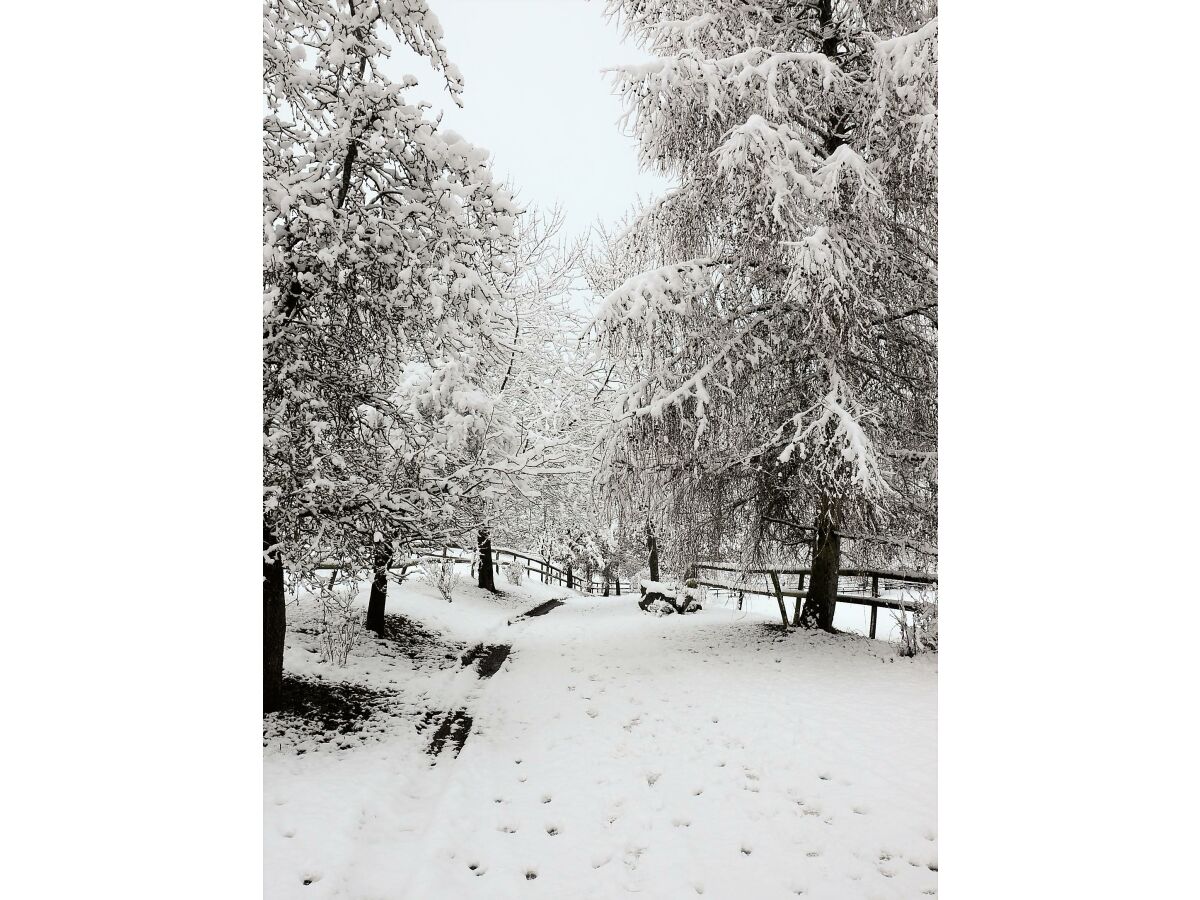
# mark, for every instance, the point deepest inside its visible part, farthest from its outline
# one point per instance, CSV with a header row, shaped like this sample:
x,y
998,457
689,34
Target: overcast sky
x,y
535,97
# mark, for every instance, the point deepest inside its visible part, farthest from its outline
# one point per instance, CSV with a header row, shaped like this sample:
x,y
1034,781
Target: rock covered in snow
x,y
663,599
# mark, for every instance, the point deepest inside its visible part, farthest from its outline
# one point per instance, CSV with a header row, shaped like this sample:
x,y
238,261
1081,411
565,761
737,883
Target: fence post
x,y
779,597
874,609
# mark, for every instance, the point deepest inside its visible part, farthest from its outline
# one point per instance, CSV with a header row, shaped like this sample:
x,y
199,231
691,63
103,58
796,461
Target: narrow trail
x,y
624,754
584,749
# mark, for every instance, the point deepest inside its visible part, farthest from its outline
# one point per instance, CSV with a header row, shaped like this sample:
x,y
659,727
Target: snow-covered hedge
x,y
514,572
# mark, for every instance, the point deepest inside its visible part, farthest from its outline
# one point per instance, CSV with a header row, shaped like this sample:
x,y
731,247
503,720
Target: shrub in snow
x,y
919,635
514,572
926,616
442,574
341,624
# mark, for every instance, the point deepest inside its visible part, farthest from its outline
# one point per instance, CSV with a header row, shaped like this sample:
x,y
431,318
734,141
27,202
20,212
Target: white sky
x,y
535,97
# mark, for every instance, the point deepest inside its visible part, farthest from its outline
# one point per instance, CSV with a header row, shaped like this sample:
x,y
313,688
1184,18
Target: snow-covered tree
x,y
383,239
775,330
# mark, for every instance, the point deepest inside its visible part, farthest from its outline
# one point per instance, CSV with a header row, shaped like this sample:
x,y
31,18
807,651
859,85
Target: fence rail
x,y
891,578
541,567
551,574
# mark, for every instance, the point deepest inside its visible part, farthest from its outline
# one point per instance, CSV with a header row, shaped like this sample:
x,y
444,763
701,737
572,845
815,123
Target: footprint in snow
x,y
593,712
477,869
508,829
552,830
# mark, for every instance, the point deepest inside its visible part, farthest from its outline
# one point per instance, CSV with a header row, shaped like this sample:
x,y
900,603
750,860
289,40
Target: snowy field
x,y
612,753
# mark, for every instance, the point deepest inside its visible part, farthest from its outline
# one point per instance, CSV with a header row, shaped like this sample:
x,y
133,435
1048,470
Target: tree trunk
x,y
570,578
487,578
831,37
378,602
618,584
822,583
652,549
274,623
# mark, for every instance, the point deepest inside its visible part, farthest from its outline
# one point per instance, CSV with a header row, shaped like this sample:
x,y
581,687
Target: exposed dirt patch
x,y
487,657
452,731
541,609
408,638
327,709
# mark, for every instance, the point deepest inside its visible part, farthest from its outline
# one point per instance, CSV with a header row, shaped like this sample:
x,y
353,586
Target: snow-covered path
x,y
616,753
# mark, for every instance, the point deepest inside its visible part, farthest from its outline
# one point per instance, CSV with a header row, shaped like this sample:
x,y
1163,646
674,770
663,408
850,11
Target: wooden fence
x,y
543,569
857,586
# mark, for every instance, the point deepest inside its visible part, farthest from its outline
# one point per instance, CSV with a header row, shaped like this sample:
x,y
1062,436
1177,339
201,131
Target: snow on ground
x,y
849,617
613,753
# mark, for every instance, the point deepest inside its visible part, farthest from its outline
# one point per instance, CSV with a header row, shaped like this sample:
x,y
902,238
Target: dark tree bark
x,y
487,577
570,578
821,600
378,602
618,584
831,37
652,549
274,623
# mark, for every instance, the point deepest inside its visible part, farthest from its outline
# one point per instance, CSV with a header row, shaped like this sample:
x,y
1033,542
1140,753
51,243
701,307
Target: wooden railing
x,y
544,569
869,581
862,589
